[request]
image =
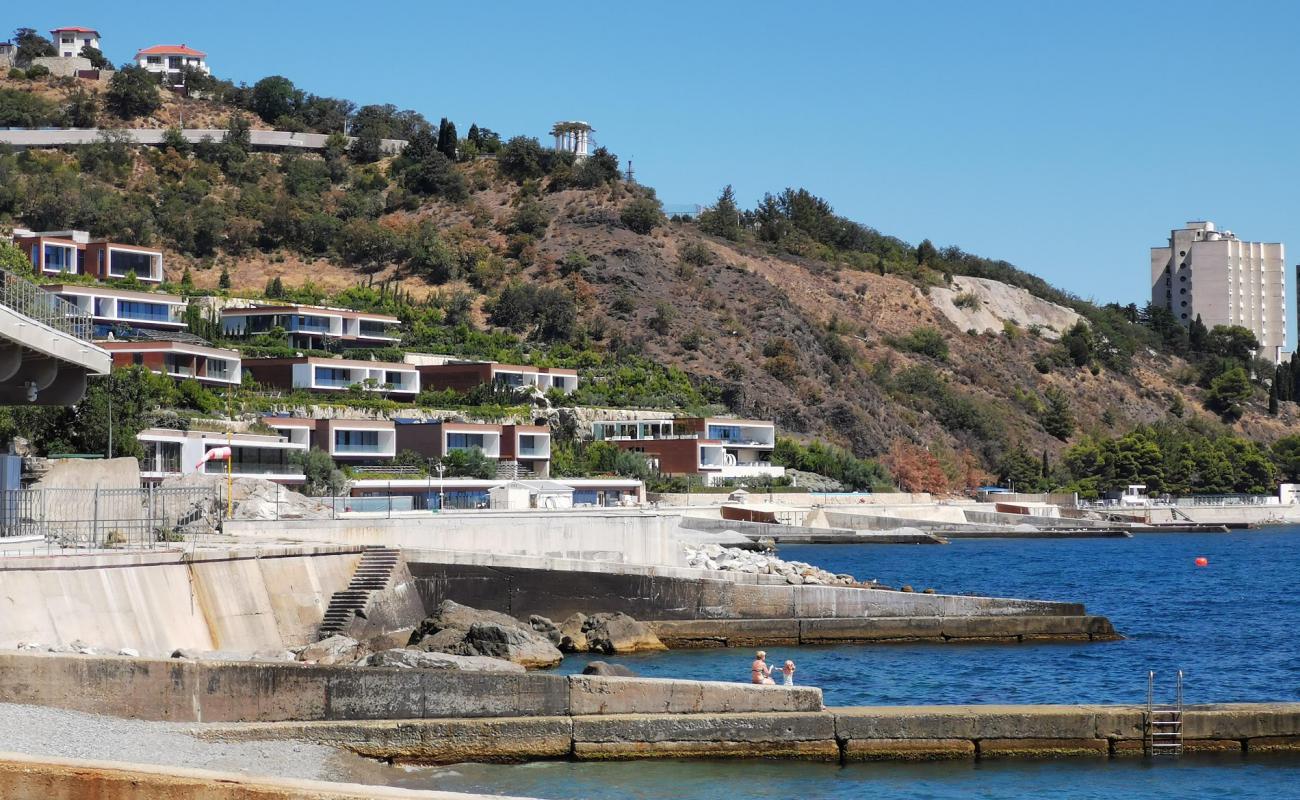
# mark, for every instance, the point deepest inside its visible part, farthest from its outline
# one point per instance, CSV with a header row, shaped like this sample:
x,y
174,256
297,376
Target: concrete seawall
x,y
885,733
213,691
157,601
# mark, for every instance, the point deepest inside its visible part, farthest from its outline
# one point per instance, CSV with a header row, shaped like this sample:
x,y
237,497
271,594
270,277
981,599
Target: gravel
x,y
41,731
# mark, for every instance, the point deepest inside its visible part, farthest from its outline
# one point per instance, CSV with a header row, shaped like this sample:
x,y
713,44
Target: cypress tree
x,y
447,138
1272,399
1197,335
1047,467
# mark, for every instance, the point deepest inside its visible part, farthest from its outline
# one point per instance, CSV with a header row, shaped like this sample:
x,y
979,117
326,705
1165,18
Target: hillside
x,y
836,331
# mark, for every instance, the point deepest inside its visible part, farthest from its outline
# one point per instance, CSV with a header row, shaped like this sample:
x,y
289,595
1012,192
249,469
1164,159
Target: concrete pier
x,y
883,733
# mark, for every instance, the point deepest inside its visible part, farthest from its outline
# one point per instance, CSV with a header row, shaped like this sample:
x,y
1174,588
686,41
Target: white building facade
x,y
69,42
1224,280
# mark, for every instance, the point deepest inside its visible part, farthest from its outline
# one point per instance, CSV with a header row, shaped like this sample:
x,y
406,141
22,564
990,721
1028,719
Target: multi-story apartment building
x,y
462,376
1224,280
528,446
170,452
313,326
208,365
716,448
124,310
71,252
335,375
351,441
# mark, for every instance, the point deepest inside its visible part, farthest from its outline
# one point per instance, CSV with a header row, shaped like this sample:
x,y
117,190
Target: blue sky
x,y
1065,138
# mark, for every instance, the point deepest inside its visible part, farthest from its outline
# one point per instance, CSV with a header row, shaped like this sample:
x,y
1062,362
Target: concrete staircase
x,y
372,575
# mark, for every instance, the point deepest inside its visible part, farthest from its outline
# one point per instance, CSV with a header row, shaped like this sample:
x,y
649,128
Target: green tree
x,y
13,259
723,219
926,253
29,44
1233,342
642,215
521,159
1020,471
468,463
95,57
447,139
1058,416
1197,335
1272,398
132,92
274,97
1079,343
323,475
80,109
223,282
1228,394
1286,454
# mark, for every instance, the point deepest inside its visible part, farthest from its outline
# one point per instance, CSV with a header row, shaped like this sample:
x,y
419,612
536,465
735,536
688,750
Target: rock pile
x,y
731,559
254,498
463,631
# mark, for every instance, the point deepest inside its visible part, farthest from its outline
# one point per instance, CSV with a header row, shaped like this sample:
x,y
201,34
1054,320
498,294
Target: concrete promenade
x,y
25,777
882,733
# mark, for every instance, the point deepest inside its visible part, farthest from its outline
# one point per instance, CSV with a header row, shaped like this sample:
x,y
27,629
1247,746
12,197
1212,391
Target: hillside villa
x,y
715,448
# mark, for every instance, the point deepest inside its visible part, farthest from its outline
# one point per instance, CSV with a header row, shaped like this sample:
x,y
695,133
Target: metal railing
x,y
32,301
94,518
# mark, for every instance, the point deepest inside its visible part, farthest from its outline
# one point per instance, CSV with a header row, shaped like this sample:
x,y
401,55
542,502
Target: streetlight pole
x,y
441,468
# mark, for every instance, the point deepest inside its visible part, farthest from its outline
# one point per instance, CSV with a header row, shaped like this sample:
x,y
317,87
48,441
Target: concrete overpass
x,y
46,353
260,140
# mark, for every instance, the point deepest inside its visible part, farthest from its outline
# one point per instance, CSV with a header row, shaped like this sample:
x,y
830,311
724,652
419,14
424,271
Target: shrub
x,y
16,74
642,215
966,300
37,71
926,341
697,254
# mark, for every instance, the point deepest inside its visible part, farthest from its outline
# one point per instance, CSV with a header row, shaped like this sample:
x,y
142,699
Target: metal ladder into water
x,y
1164,723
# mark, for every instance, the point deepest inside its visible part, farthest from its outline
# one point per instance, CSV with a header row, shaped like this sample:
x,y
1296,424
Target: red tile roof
x,y
75,30
170,50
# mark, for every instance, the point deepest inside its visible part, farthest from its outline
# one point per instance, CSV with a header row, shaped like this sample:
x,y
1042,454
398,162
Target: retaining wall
x,y
158,601
214,691
907,733
627,537
652,595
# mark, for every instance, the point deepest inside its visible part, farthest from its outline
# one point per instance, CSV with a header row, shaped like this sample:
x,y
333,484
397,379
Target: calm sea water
x,y
1231,627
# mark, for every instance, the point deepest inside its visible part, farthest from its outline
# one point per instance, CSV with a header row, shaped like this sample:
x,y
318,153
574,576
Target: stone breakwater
x,y
732,559
886,733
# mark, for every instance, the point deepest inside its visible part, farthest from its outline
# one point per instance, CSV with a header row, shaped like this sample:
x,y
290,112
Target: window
x,y
123,262
1182,253
356,441
153,59
137,359
1184,304
60,258
1184,316
143,312
332,376
396,379
464,441
1182,291
1182,278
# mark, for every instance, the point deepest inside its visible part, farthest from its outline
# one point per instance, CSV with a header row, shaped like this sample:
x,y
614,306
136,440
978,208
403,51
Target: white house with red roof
x,y
172,58
69,41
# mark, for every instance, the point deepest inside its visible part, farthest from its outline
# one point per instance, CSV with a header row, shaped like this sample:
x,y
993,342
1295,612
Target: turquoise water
x,y
1230,626
1256,778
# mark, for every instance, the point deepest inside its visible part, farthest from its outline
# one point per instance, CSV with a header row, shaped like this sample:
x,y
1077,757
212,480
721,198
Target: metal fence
x,y
89,518
28,299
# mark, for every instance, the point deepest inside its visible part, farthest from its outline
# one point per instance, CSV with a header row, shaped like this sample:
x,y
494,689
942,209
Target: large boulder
x,y
518,644
334,650
415,659
546,628
618,633
608,670
572,637
460,630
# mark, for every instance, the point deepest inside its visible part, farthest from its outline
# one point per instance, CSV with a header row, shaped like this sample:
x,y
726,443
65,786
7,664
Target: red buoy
x,y
1202,561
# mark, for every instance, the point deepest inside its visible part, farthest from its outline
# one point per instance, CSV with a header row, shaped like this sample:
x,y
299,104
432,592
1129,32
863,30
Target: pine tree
x,y
926,253
724,218
1047,467
474,137
447,138
1058,418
